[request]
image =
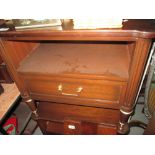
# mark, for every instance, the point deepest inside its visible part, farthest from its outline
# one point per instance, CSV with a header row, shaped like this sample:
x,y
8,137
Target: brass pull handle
x,y
72,127
68,94
79,89
60,88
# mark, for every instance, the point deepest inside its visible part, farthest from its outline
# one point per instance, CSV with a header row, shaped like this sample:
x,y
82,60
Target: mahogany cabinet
x,y
79,81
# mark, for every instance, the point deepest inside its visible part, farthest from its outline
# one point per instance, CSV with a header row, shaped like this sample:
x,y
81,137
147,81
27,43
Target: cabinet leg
x,y
123,126
31,104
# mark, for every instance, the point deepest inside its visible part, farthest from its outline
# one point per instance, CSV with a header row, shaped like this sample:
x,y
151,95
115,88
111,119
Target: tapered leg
x,y
123,126
31,104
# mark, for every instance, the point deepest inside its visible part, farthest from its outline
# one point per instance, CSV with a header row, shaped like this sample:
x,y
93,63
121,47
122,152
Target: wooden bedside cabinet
x,y
79,81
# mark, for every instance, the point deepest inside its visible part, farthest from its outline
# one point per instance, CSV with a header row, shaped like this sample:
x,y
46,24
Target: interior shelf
x,y
78,58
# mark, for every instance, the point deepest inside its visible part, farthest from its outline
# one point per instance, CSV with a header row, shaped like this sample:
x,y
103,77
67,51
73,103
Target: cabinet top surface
x,y
141,28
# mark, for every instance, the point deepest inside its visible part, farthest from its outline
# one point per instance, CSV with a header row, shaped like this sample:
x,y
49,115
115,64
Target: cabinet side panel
x,y
140,56
13,53
17,51
131,48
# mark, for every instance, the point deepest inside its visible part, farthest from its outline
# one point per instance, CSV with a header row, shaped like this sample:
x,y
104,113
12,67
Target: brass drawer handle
x,y
60,88
67,94
72,127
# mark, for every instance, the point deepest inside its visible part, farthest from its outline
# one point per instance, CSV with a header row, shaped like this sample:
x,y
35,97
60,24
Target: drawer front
x,y
60,111
67,88
77,127
72,127
58,118
54,127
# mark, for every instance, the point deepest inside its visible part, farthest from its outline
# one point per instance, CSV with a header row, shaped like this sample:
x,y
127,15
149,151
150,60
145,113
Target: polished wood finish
x,y
106,129
54,111
73,59
74,127
110,95
131,30
31,104
85,119
92,76
123,126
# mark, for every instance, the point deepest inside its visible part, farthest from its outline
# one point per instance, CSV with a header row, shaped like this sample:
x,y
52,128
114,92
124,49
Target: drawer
x,y
107,93
77,127
58,118
54,127
58,112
